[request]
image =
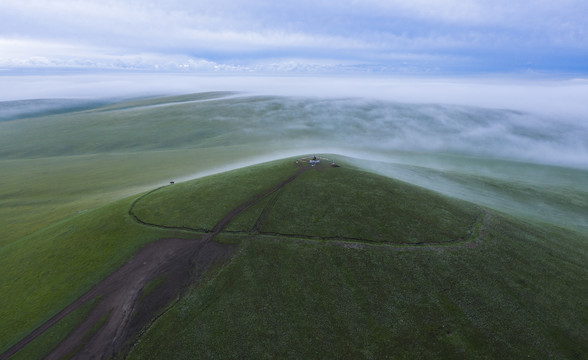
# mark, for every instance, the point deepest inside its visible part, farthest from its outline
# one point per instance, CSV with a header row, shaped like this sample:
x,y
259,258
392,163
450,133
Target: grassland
x,y
200,205
65,183
45,271
516,294
42,345
48,269
293,299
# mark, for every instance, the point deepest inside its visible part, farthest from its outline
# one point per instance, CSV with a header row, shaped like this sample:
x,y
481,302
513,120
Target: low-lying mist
x,y
18,109
362,125
541,120
346,124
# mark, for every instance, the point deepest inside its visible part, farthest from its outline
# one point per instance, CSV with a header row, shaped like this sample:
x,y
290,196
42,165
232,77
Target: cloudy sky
x,y
303,36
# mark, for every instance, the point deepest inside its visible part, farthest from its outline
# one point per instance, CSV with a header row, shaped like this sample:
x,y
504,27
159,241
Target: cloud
x,y
484,36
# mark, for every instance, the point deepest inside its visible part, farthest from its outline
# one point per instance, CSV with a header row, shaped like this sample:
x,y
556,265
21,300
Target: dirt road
x,y
122,310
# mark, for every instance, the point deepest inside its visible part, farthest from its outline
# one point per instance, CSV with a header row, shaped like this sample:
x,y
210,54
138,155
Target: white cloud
x,y
463,11
509,33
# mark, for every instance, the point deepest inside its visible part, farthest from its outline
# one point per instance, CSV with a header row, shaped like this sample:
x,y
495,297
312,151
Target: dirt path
x,y
122,310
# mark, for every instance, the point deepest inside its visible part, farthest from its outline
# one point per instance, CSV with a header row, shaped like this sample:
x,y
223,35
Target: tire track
x,y
264,214
483,221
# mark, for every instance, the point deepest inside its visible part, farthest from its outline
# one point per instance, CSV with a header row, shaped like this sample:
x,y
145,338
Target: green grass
x,y
518,294
49,269
328,203
46,342
63,228
202,203
35,193
342,202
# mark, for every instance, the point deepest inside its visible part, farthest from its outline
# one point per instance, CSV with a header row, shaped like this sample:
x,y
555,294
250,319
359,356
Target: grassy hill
x,y
515,291
337,263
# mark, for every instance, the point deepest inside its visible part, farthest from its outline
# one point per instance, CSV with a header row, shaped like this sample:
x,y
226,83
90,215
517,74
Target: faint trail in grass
x,y
477,233
265,213
159,226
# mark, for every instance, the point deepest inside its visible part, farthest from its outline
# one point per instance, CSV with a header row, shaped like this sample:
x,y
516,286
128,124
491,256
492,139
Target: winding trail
x,y
123,310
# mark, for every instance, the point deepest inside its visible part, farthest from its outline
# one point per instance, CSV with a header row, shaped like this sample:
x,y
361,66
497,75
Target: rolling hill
x,y
330,262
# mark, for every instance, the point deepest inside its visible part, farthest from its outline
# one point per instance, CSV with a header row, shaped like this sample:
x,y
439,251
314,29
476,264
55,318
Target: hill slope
x,y
514,290
333,262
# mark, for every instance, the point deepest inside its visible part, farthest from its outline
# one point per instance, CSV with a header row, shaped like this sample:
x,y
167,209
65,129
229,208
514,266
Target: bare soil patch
x,y
121,302
122,311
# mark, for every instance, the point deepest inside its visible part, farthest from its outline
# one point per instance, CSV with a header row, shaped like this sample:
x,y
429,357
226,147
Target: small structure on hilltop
x,y
315,160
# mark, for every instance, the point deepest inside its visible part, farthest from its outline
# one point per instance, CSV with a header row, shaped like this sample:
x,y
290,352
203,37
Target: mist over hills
x,y
18,109
473,153
160,199
345,124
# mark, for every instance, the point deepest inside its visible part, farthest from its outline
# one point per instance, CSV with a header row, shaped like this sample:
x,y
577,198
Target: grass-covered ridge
x,y
350,204
518,293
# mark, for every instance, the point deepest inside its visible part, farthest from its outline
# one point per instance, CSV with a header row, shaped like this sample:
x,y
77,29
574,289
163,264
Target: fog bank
x,y
563,97
532,121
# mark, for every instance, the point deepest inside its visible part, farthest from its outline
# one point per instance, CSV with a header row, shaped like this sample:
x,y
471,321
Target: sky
x,y
414,37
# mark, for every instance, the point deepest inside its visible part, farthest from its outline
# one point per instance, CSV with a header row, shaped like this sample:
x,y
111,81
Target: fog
x,y
565,97
11,110
542,121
